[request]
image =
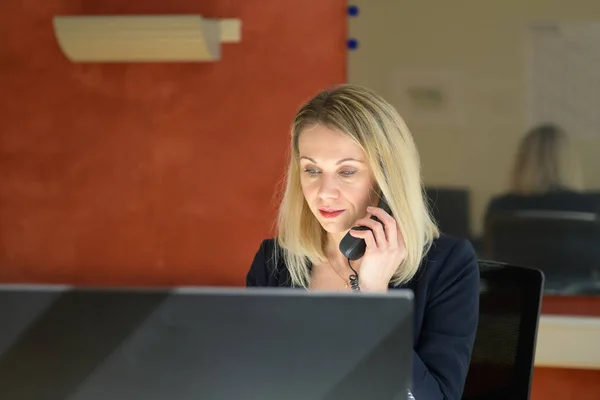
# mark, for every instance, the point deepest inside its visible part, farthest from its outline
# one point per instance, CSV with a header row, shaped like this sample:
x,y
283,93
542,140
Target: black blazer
x,y
446,306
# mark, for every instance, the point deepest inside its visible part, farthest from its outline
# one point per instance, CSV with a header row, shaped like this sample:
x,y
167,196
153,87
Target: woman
x,y
546,176
349,147
546,162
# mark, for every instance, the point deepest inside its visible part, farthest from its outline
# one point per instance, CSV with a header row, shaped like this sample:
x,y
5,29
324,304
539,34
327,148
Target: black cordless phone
x,y
354,248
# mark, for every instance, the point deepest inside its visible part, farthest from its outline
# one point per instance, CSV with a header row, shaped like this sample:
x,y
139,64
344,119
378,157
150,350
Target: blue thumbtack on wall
x,y
353,10
352,44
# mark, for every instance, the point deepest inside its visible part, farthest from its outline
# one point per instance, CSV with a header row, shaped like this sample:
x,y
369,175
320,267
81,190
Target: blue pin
x,y
353,10
352,44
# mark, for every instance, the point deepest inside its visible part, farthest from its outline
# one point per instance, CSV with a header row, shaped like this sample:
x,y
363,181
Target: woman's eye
x,y
312,172
347,174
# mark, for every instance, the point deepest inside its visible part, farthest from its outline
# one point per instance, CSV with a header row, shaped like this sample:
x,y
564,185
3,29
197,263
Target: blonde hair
x,y
545,161
375,125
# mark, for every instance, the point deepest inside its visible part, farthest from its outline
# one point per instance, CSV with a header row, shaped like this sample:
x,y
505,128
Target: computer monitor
x,y
69,343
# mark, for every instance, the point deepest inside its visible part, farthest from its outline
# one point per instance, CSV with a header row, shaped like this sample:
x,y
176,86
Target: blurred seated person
x,y
546,176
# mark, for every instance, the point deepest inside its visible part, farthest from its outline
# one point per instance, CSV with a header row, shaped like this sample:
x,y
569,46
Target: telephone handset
x,y
354,248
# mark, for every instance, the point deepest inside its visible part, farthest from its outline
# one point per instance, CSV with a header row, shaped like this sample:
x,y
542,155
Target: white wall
x,y
480,45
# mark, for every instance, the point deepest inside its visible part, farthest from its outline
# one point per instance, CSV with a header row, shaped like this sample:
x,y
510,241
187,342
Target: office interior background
x,y
169,173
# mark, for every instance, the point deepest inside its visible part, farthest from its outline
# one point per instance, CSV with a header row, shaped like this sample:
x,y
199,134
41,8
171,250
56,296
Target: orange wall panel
x,y
565,384
582,306
154,173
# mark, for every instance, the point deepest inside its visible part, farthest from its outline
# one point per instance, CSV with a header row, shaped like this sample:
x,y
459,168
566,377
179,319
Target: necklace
x,y
346,285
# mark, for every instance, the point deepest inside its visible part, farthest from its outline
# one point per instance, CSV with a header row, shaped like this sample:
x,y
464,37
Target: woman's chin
x,y
335,227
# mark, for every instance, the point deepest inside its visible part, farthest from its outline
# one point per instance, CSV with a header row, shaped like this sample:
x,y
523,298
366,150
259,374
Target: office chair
x,y
564,245
450,208
504,352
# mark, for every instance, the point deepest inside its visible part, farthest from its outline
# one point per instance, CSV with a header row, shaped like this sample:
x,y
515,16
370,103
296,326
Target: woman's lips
x,y
327,213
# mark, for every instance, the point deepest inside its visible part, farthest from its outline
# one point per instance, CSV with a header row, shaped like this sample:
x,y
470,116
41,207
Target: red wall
x,y
156,174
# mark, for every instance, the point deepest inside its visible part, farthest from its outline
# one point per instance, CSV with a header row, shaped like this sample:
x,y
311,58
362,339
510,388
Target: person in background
x,y
349,147
546,176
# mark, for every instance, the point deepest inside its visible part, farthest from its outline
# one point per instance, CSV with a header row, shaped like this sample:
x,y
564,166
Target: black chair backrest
x,y
450,208
564,245
504,352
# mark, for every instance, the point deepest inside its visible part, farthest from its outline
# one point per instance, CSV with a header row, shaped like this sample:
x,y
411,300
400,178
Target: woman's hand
x,y
385,250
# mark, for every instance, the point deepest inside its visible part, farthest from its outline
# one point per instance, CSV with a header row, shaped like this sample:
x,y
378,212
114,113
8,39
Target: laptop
x,y
74,343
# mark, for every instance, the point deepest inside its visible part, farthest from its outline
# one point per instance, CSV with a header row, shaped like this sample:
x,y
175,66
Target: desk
x,y
567,362
568,342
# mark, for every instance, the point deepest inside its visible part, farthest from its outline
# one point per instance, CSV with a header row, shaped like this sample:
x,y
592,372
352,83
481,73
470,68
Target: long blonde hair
x,y
375,125
545,161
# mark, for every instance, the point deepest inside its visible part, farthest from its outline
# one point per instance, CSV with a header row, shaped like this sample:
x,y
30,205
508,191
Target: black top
x,y
446,307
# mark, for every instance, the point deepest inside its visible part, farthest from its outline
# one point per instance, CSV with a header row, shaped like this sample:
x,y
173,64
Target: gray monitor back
x,y
59,343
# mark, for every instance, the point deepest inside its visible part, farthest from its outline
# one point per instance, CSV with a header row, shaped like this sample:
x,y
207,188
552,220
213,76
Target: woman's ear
x,y
375,196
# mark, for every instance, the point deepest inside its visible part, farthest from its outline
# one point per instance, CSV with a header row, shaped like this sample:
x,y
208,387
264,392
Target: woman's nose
x,y
328,188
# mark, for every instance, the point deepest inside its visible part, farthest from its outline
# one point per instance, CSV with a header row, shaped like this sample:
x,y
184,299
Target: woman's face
x,y
336,178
